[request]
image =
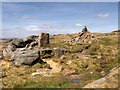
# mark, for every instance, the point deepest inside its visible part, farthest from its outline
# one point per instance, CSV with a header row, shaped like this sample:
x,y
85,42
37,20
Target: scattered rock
x,y
108,81
60,51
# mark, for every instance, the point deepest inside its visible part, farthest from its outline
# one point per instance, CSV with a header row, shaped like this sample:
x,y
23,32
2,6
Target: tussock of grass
x,y
77,48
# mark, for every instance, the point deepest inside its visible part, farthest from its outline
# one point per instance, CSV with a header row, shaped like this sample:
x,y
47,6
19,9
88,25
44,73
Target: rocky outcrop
x,y
109,81
9,50
30,39
25,56
19,43
24,51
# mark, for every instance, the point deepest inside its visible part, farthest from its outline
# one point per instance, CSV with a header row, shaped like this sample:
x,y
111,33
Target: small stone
x,y
63,57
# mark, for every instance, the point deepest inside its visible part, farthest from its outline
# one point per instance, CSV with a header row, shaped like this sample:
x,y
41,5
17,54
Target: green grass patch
x,y
44,84
106,41
77,48
94,76
93,53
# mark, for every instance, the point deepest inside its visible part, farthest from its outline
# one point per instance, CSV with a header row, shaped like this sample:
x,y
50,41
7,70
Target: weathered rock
x,y
9,50
109,81
19,43
43,40
32,44
30,39
25,56
60,51
46,53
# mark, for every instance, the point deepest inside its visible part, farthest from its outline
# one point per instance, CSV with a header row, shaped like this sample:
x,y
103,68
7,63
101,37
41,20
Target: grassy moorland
x,y
84,64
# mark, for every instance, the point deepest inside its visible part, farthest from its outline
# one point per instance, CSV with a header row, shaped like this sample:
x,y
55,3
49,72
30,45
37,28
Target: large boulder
x,y
9,50
25,56
19,43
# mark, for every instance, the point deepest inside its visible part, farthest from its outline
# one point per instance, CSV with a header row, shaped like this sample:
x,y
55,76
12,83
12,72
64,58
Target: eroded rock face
x,y
25,56
9,50
19,43
46,53
43,40
30,39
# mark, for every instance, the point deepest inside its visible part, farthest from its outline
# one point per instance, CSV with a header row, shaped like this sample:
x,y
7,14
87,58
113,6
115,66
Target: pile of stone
x,y
82,38
31,49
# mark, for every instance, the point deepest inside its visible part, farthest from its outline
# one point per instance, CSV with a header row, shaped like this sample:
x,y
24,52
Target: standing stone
x,y
43,40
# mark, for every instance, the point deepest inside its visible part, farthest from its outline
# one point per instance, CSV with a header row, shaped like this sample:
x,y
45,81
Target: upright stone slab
x,y
43,40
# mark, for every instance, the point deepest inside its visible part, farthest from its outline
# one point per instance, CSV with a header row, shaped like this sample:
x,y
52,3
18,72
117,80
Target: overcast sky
x,y
20,19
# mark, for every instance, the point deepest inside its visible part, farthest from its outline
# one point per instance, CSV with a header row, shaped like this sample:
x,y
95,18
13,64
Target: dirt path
x,y
55,66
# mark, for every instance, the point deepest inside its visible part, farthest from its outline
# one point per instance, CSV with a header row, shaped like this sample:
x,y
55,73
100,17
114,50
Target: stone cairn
x,y
83,38
43,40
84,30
